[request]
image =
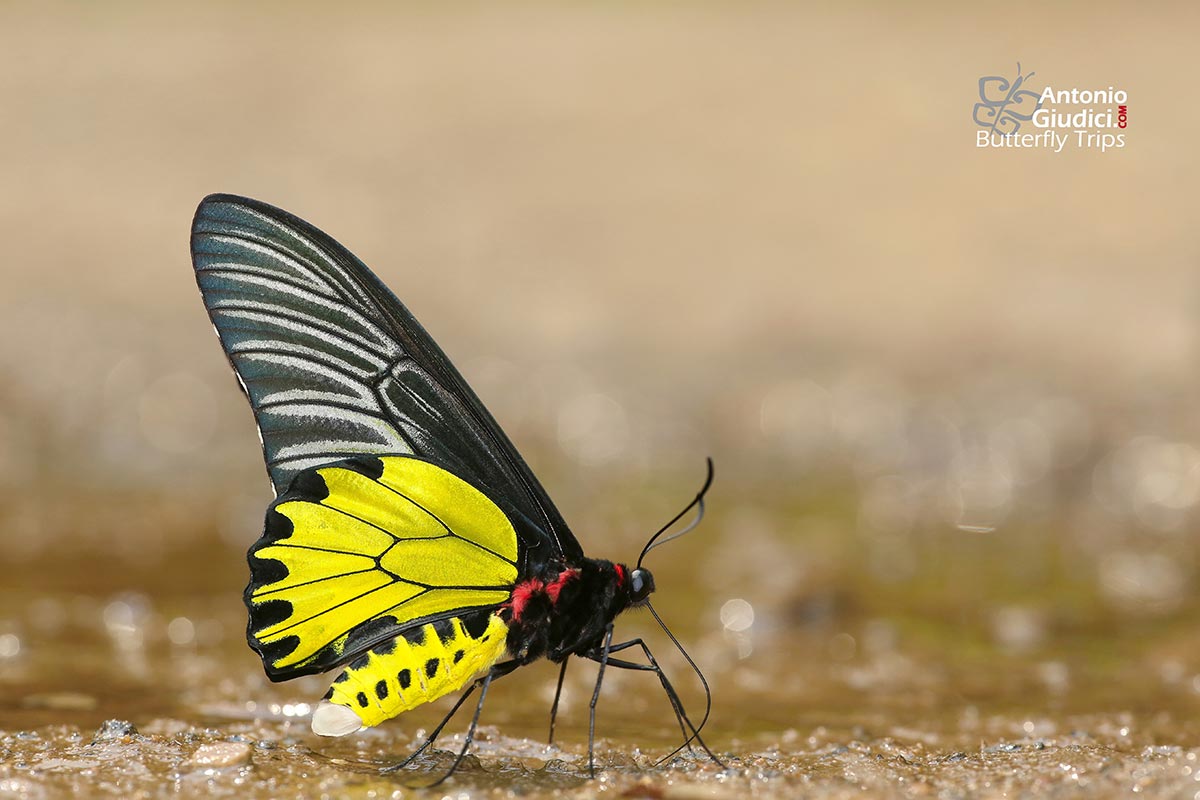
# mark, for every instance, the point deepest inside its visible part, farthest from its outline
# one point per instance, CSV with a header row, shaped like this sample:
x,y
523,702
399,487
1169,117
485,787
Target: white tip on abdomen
x,y
331,719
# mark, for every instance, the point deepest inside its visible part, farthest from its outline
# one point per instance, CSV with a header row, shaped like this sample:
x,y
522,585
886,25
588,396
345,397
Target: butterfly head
x,y
641,584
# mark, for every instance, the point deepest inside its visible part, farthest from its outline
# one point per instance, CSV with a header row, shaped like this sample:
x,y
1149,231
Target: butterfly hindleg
x,y
483,683
497,671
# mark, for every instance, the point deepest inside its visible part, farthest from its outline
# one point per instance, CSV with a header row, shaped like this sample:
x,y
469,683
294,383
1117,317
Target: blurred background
x,y
950,392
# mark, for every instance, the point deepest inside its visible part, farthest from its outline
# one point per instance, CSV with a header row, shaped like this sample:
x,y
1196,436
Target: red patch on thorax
x,y
524,591
520,597
553,589
620,574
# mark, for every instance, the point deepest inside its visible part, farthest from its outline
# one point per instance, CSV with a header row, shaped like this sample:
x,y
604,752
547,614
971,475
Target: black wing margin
x,y
334,365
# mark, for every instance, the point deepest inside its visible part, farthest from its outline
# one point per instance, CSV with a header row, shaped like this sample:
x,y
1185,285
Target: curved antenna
x,y
695,668
698,501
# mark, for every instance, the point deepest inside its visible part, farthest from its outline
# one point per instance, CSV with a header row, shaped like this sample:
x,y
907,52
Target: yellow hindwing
x,y
367,546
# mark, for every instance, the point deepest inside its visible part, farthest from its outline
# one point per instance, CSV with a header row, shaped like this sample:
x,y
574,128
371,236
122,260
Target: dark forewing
x,y
335,366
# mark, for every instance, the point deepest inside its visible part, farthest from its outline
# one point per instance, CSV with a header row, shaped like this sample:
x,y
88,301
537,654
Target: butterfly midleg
x,y
673,696
484,682
562,673
497,671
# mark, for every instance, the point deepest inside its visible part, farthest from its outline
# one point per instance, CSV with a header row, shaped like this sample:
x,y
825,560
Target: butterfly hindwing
x,y
335,366
359,552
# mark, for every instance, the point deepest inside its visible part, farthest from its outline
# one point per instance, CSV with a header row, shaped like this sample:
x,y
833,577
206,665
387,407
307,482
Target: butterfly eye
x,y
641,584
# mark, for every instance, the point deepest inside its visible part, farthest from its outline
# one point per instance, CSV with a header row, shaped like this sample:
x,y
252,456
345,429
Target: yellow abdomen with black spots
x,y
409,671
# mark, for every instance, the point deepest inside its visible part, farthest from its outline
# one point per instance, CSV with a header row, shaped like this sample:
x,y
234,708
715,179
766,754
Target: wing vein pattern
x,y
335,366
362,550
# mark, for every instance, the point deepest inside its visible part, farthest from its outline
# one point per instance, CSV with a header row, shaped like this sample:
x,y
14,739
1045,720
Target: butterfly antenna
x,y
698,502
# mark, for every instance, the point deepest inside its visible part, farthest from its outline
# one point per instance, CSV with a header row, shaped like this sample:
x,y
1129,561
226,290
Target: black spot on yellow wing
x,y
381,690
458,656
476,625
416,637
370,634
310,486
276,526
276,612
371,466
431,668
444,630
404,678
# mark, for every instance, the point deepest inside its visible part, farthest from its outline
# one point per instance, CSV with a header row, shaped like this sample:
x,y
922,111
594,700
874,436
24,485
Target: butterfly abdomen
x,y
409,671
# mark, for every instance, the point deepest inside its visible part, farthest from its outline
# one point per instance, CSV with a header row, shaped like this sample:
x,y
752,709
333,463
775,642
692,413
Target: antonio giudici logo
x,y
1010,114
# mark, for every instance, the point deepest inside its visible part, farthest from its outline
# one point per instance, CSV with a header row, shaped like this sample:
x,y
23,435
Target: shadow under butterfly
x,y
409,545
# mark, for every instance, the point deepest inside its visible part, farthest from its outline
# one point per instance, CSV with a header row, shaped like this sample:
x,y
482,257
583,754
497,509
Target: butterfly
x,y
409,546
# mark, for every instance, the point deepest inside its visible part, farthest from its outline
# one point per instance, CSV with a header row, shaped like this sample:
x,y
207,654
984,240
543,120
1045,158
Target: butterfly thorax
x,y
567,610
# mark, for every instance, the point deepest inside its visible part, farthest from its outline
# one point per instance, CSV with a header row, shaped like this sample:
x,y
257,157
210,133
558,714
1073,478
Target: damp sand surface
x,y
151,693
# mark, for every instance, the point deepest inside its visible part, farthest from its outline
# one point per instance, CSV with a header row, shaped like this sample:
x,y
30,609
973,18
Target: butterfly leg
x,y
431,738
602,659
497,671
676,706
483,683
562,673
672,695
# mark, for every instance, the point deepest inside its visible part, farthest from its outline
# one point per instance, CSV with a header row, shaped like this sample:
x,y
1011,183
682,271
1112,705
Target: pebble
x,y
115,729
217,755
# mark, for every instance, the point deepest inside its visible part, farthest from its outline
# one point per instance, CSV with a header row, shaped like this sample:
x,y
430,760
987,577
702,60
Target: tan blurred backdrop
x,y
646,233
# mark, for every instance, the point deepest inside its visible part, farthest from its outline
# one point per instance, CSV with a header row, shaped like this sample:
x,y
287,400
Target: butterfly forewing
x,y
335,366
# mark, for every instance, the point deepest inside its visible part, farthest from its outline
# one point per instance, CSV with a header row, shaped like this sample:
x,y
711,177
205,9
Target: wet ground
x,y
137,683
164,717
